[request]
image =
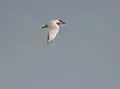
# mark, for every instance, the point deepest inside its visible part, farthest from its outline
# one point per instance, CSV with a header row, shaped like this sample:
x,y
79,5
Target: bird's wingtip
x,y
43,26
48,42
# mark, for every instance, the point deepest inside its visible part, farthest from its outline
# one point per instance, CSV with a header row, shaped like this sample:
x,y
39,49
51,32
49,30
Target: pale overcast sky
x,y
86,54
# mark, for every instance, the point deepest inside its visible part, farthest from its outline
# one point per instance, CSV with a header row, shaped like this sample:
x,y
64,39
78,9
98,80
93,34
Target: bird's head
x,y
59,22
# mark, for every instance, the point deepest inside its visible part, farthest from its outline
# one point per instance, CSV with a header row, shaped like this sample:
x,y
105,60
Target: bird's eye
x,y
58,23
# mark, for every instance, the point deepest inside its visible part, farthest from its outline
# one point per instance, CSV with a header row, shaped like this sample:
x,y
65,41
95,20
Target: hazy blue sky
x,y
86,55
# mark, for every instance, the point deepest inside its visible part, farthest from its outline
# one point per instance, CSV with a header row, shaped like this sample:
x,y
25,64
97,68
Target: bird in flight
x,y
53,27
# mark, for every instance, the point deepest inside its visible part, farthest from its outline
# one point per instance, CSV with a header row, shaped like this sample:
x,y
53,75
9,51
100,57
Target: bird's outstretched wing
x,y
52,34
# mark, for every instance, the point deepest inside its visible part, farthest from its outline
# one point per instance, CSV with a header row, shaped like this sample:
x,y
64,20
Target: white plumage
x,y
53,27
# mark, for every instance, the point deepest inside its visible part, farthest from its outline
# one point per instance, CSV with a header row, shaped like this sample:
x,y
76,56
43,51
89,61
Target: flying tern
x,y
53,27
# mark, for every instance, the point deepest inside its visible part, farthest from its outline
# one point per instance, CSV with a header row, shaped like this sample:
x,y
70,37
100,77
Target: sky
x,y
85,55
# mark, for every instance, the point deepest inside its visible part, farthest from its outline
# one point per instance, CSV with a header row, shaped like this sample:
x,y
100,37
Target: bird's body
x,y
53,27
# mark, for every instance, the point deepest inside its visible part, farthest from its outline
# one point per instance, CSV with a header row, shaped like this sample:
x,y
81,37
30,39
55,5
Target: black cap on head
x,y
62,21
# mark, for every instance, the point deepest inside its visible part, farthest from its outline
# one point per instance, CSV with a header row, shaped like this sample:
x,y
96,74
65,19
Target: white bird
x,y
53,27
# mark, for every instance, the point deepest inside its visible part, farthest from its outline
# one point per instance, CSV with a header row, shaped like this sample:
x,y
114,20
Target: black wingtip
x,y
48,42
62,21
45,26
